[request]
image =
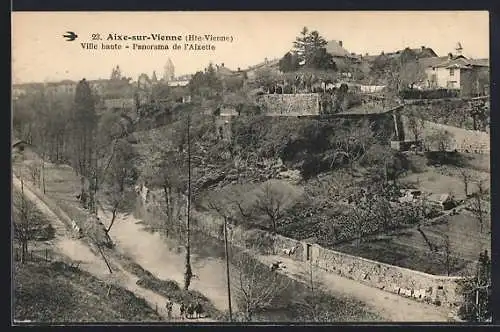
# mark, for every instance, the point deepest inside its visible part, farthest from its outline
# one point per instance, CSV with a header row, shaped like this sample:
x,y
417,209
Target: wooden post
x,y
104,257
227,272
477,291
188,272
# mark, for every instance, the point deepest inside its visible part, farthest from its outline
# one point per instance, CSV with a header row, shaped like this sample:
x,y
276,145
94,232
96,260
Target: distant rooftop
x,y
336,48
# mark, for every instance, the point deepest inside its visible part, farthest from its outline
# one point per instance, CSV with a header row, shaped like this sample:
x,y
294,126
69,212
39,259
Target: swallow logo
x,y
70,36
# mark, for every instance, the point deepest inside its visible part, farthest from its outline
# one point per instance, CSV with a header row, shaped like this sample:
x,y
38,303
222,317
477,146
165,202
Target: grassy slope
x,y
57,292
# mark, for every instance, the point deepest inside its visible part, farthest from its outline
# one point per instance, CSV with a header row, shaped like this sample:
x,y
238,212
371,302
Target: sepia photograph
x,y
271,167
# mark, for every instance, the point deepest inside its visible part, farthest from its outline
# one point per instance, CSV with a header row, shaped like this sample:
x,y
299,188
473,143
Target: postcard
x,y
251,167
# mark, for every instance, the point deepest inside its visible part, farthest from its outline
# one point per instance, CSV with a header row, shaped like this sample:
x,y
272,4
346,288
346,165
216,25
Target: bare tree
x,y
24,217
119,175
256,286
441,140
415,127
477,204
273,198
352,143
311,303
166,170
466,178
446,254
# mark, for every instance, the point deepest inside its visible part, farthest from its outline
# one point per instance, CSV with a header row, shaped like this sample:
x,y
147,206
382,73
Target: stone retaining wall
x,y
463,140
290,104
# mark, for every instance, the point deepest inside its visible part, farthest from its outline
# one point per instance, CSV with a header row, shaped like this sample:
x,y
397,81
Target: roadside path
x,y
390,306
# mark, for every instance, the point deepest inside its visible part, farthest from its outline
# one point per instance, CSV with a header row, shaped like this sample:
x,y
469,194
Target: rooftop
x,y
336,49
462,62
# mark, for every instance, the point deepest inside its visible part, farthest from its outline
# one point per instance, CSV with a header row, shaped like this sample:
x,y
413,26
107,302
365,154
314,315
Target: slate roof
x,y
463,63
333,47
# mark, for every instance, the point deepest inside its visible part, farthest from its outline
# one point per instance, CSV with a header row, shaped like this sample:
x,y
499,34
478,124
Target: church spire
x,y
169,71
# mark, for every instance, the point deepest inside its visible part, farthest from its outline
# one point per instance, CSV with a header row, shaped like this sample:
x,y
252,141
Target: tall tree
x,y
477,292
302,44
289,62
119,176
310,48
84,124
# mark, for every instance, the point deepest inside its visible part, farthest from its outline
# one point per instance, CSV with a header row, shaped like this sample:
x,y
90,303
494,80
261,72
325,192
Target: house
x,y
178,82
119,104
470,76
65,87
419,53
273,65
337,50
22,149
20,145
99,86
343,58
22,89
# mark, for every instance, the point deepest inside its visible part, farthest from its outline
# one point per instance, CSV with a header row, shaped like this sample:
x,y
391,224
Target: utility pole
x,y
477,292
227,272
188,273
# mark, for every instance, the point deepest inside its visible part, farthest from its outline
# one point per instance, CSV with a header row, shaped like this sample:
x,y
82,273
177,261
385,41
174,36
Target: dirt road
x,y
392,307
165,259
77,251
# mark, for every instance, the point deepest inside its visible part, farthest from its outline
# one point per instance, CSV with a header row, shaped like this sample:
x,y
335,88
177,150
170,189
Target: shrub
x,y
428,94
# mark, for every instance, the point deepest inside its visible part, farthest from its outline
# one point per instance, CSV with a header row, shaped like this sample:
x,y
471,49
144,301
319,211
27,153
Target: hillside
x,y
58,293
326,166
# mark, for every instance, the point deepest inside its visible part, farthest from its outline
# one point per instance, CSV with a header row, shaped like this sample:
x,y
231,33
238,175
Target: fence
x,y
34,255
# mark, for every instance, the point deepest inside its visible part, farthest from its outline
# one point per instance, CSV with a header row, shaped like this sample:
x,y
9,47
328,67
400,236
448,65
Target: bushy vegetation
x,y
456,113
428,94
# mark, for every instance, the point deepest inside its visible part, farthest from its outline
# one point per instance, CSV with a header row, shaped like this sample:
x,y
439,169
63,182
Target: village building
x,y
341,56
65,87
469,76
273,65
23,149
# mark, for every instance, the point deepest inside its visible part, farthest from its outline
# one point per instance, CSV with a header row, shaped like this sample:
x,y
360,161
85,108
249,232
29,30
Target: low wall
x,y
405,282
462,140
290,104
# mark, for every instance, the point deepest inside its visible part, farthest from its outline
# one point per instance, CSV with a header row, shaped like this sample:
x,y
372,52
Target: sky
x,y
40,53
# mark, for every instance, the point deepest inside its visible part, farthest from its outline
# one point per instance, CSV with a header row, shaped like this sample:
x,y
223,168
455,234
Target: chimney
x,y
222,64
450,56
423,48
340,43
